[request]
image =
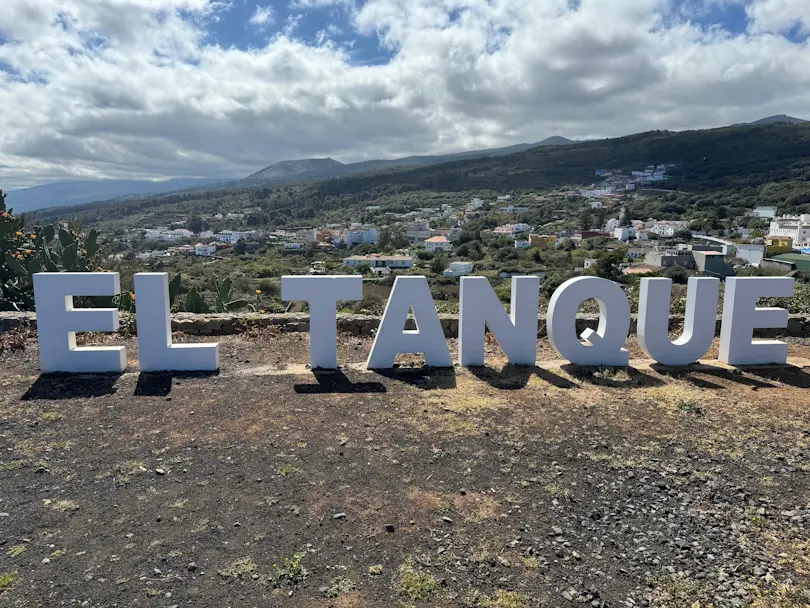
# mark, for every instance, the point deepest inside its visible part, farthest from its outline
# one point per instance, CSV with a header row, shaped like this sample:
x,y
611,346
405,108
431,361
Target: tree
x,y
607,266
240,247
438,265
585,219
600,218
195,224
385,239
683,235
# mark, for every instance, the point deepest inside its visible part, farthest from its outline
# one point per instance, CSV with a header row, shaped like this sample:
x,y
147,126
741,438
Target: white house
x,y
588,262
630,187
667,228
357,237
596,204
505,197
204,250
376,261
522,244
438,244
207,234
458,269
474,204
796,227
624,233
234,236
293,245
511,229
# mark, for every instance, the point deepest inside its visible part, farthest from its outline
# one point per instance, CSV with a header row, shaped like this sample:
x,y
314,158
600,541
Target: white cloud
x,y
134,87
779,15
262,16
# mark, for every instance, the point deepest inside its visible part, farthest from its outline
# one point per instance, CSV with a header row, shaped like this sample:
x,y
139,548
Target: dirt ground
x,y
498,487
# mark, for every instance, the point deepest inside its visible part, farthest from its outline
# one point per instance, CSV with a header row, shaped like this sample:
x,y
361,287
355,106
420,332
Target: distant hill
x,y
780,119
288,168
62,194
730,158
318,168
705,159
69,193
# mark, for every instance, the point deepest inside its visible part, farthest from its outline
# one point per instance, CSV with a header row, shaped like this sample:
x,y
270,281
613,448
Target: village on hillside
x,y
590,221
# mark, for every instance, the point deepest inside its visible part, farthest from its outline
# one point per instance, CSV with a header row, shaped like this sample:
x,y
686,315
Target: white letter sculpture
x,y
606,343
699,322
392,339
58,322
322,293
516,332
741,316
155,348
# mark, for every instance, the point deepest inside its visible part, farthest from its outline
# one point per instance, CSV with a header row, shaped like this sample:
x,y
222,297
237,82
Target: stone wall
x,y
359,325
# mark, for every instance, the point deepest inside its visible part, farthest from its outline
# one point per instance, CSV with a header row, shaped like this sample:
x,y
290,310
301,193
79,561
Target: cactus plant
x,y
222,293
43,249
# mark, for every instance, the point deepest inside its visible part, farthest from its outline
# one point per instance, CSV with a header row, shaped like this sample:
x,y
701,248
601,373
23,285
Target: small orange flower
x,y
84,251
18,233
261,312
28,251
258,292
132,295
33,236
4,215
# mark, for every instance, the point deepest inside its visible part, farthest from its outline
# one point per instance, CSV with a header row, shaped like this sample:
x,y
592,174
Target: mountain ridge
x,y
77,192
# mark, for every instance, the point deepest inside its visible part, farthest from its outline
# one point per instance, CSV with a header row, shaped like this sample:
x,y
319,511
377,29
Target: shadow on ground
x,y
159,384
515,377
71,386
335,381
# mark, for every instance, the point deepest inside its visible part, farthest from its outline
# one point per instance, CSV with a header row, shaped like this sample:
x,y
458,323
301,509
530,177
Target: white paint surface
x,y
58,321
392,338
741,316
322,293
515,332
155,348
605,345
699,321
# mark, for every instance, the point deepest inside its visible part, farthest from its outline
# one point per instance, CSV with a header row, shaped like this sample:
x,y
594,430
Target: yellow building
x,y
774,245
538,240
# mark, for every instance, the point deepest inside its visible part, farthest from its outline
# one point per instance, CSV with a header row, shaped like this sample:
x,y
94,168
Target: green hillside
x,y
731,166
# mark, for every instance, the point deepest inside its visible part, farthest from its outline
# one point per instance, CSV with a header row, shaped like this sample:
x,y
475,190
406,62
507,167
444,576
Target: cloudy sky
x,y
158,88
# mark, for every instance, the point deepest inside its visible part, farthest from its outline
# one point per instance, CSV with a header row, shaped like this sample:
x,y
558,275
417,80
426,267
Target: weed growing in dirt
x,y
7,580
412,584
286,469
689,406
613,374
15,550
291,571
375,570
678,591
63,506
51,416
505,599
12,465
781,596
243,567
338,586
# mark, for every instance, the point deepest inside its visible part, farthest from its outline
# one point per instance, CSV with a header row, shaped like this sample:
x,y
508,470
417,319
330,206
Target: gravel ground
x,y
495,487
